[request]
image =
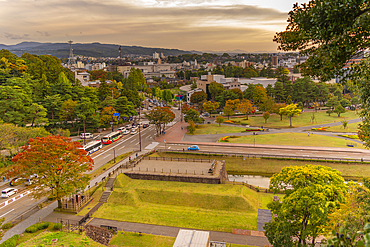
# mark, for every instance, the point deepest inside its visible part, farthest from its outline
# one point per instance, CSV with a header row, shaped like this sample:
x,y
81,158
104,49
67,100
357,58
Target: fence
x,y
274,156
70,225
178,159
75,203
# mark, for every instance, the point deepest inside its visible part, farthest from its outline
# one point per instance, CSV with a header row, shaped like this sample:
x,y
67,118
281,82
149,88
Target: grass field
x,y
268,167
295,139
304,119
216,129
189,205
63,239
353,127
124,239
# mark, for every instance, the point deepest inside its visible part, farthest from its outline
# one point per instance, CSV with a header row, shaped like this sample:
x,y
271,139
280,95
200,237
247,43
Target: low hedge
x,y
7,225
10,242
37,226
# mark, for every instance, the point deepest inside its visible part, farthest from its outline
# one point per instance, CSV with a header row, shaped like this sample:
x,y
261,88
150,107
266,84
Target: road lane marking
x,y
6,213
107,156
121,147
114,145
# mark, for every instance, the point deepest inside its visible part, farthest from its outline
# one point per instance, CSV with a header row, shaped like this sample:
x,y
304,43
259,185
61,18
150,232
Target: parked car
x,y
193,148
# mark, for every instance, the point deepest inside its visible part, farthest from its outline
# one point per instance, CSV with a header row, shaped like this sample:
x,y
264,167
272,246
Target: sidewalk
x,y
162,230
174,133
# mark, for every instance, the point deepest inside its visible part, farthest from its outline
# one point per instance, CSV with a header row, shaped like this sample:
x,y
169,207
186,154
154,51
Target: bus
x,y
112,137
92,147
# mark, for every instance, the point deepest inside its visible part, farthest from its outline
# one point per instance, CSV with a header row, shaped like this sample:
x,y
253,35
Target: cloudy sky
x,y
203,25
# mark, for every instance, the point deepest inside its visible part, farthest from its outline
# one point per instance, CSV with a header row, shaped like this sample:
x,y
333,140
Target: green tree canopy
x,y
312,192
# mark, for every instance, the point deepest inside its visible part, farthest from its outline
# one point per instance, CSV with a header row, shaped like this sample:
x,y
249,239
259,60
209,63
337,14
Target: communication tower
x,y
71,58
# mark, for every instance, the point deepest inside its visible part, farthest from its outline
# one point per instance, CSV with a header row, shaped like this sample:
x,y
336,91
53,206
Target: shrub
x,y
11,242
7,225
57,226
37,226
31,229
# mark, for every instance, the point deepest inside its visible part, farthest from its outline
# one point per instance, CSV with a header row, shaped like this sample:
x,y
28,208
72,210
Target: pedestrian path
x,y
163,230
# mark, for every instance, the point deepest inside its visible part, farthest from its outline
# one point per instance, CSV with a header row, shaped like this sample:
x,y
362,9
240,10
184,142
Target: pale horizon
x,y
202,25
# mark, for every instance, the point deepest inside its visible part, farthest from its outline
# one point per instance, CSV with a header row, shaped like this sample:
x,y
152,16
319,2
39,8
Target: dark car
x,y
145,125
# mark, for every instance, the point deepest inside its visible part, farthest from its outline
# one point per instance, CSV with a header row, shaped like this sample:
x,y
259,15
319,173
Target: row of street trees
x,y
37,90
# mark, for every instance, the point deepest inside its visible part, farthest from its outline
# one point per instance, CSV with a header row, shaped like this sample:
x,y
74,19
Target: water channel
x,y
260,181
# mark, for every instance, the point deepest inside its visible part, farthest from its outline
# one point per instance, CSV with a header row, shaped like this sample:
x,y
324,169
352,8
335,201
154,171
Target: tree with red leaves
x,y
58,162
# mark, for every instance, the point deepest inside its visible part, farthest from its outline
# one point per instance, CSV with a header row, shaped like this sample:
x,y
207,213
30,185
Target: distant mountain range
x,y
61,50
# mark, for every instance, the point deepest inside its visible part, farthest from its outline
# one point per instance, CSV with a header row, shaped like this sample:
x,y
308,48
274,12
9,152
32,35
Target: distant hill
x,y
61,50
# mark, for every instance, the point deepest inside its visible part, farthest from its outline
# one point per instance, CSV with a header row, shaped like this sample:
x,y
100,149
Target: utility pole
x,y
139,128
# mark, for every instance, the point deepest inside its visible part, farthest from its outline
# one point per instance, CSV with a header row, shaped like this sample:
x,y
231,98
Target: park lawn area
x,y
352,127
217,207
63,239
304,119
268,167
294,139
142,240
206,129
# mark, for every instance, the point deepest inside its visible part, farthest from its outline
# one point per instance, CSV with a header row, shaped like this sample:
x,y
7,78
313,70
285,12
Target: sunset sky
x,y
202,25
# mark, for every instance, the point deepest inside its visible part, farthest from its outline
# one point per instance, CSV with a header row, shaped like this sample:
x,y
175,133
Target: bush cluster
x,y
320,129
57,226
351,136
10,242
37,226
7,226
224,139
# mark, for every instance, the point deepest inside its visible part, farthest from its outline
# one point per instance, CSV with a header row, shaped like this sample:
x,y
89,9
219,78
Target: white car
x,y
133,132
121,129
126,132
86,135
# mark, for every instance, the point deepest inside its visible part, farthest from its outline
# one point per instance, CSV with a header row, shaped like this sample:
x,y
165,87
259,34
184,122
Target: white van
x,y
86,135
8,192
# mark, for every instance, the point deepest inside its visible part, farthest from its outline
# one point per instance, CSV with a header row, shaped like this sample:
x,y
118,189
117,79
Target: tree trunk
x,y
290,118
59,203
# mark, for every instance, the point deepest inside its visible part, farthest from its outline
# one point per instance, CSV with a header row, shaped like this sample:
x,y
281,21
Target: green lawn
x,y
142,240
217,207
207,129
63,239
294,139
353,127
268,167
304,119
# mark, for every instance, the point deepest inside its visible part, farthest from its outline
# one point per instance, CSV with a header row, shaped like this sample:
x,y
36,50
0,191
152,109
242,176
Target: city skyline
x,y
204,25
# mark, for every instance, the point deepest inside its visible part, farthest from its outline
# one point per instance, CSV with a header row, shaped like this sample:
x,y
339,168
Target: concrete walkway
x,y
161,230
